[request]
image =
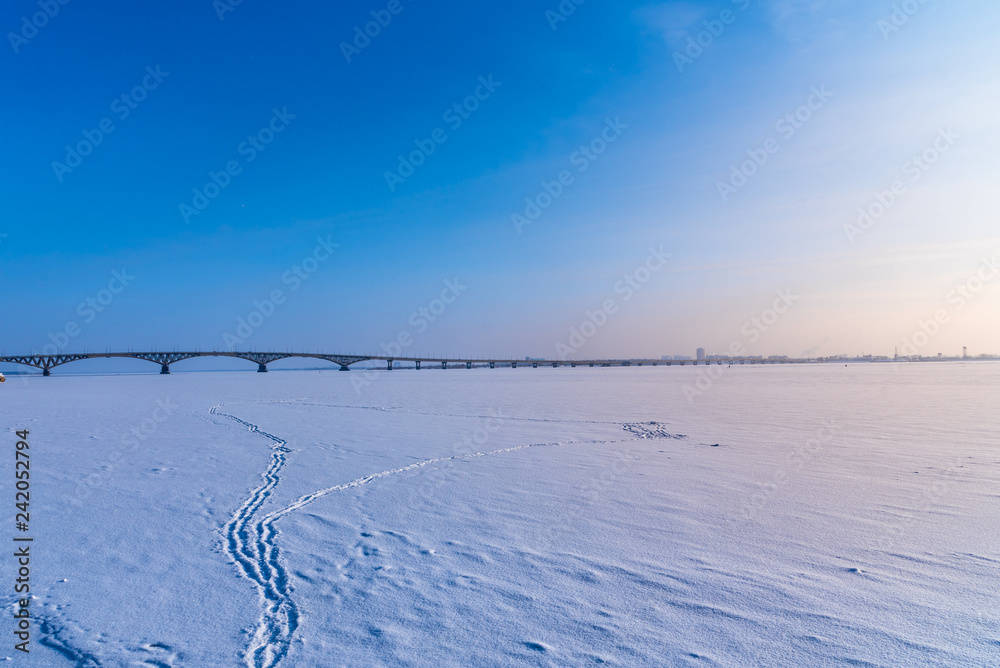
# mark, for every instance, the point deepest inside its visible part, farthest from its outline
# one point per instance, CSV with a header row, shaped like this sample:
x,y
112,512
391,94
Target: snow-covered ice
x,y
788,515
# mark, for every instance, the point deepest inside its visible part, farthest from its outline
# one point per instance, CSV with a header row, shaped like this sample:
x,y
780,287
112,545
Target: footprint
x,y
164,657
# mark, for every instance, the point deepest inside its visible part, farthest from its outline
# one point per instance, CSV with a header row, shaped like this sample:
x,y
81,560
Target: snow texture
x,y
788,515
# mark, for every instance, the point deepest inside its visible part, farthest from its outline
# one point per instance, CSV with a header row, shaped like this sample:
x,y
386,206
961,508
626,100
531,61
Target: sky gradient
x,y
265,152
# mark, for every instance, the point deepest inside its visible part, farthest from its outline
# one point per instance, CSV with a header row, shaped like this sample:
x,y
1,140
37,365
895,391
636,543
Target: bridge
x,y
48,362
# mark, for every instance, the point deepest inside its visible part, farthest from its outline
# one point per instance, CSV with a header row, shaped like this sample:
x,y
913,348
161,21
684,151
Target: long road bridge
x,y
48,362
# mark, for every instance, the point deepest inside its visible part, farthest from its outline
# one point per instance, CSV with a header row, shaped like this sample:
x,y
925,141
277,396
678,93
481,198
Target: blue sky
x,y
892,87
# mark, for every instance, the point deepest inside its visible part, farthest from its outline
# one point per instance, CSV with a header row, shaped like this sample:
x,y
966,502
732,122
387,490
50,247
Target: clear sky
x,y
369,176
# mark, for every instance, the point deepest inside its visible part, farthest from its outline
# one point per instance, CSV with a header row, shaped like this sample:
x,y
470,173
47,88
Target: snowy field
x,y
787,516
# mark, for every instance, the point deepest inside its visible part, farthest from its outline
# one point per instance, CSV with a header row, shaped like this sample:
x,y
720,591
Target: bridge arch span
x,y
48,362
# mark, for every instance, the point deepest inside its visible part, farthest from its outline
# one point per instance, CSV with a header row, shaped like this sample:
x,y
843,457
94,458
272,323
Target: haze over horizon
x,y
666,171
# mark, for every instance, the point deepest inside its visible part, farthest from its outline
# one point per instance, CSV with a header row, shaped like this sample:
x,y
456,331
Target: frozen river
x,y
783,515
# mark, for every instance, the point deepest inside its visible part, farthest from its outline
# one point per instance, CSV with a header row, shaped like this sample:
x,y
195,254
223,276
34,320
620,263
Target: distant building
x,y
965,352
701,353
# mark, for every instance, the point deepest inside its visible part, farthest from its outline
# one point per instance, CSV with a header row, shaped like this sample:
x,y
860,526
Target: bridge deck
x,y
165,359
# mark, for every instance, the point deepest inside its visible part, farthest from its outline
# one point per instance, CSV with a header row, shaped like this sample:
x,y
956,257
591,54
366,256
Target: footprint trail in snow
x,y
251,542
256,557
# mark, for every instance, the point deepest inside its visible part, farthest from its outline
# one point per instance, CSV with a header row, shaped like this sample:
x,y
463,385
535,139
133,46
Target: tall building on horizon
x,y
700,353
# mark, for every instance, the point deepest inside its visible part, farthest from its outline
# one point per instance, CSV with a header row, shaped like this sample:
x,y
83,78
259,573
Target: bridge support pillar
x,y
572,365
261,368
388,365
534,365
444,365
418,365
164,369
344,367
492,364
468,365
45,372
592,365
513,365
